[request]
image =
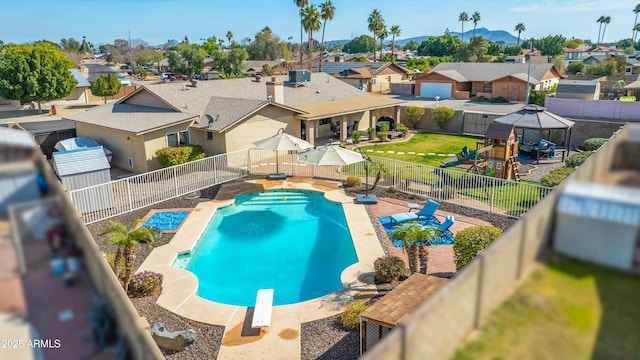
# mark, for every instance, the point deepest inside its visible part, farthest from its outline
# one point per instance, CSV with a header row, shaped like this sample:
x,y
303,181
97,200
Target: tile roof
x,y
82,81
80,161
339,107
490,71
132,118
222,113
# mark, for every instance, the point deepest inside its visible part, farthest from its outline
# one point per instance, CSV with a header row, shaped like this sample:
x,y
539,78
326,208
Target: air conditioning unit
x,y
297,77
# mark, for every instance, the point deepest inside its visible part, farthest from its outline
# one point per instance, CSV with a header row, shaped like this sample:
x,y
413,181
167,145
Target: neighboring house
x,y
594,59
578,89
227,115
250,67
368,76
80,94
464,80
584,51
632,67
633,89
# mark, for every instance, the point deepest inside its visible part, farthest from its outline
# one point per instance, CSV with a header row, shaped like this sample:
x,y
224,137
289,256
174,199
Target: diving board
x,y
262,310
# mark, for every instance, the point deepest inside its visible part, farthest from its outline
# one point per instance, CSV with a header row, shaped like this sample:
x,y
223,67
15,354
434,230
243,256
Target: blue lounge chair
x,y
448,221
427,212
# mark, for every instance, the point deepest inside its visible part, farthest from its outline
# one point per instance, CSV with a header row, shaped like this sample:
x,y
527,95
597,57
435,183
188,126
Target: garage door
x,y
431,90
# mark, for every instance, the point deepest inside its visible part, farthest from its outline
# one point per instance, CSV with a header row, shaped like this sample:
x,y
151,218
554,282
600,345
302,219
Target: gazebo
x,y
534,117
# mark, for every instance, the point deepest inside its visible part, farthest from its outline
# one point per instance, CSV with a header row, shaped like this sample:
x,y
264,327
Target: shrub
x,y
478,99
111,257
383,135
145,283
442,115
372,133
556,176
353,181
384,127
402,128
498,99
577,159
388,268
355,135
350,318
470,241
594,144
176,155
414,114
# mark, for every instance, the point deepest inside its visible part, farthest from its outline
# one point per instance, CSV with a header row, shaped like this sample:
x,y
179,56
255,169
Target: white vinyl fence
x,y
493,195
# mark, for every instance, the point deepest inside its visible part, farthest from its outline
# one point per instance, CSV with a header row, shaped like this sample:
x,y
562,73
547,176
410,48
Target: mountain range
x,y
492,35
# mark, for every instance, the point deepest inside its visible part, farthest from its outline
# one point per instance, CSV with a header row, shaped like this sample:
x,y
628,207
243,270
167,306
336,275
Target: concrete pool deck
x,y
282,339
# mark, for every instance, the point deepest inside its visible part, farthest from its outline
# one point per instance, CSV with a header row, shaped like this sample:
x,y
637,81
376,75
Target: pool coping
x,y
179,286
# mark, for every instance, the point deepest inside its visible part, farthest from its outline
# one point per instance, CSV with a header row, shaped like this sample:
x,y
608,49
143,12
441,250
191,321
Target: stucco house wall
x,y
122,143
510,88
437,78
156,140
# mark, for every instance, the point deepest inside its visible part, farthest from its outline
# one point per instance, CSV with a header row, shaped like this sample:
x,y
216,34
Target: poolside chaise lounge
x,y
427,211
448,221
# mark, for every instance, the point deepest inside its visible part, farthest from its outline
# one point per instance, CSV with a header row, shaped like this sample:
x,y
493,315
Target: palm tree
x,y
607,21
475,18
301,4
427,233
382,35
376,22
520,28
327,11
126,240
462,18
229,37
413,236
600,20
636,29
395,31
311,23
636,11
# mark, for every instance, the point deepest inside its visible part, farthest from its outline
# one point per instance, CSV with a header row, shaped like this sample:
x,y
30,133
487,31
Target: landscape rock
x,y
172,340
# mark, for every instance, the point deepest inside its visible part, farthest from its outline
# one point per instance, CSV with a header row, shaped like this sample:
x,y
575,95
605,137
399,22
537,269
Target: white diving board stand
x,y
262,310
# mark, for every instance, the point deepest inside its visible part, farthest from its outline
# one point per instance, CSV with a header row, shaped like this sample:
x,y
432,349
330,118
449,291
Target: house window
x,y
498,165
178,138
490,165
209,135
130,162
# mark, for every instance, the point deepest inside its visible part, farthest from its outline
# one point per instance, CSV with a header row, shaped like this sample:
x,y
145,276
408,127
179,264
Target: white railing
x,y
493,195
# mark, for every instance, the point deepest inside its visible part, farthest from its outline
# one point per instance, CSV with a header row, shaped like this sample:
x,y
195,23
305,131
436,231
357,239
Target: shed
x,y
48,133
598,223
84,168
386,313
578,89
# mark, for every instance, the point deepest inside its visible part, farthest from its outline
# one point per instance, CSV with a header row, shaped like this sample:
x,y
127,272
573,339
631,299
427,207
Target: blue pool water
x,y
166,220
295,242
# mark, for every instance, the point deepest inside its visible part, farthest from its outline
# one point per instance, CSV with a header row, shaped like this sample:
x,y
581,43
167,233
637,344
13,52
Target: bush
x,y
372,133
555,176
350,318
145,283
442,115
389,268
111,257
353,181
577,159
402,128
594,144
497,100
384,127
470,241
478,99
414,114
383,135
355,135
176,155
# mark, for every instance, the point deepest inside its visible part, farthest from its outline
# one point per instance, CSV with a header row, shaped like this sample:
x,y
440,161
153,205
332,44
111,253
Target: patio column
x,y
372,119
311,132
398,112
343,128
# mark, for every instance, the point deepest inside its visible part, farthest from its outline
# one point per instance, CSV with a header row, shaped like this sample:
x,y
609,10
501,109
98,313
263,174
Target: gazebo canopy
x,y
535,117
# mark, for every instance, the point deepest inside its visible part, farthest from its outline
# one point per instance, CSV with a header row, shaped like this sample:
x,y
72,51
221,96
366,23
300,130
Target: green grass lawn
x,y
425,143
564,310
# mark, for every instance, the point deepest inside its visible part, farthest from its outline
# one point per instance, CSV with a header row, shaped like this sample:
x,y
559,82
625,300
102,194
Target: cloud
x,y
562,6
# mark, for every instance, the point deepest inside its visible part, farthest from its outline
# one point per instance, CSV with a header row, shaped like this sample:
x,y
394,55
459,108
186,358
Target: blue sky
x,y
156,21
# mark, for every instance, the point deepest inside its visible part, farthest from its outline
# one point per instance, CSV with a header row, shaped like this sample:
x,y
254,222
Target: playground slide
x,y
472,155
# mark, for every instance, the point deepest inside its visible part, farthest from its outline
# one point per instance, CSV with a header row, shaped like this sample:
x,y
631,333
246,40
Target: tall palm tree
x,y
126,240
311,23
520,28
636,11
462,18
395,31
229,37
301,4
384,33
475,18
427,233
376,22
636,29
327,11
607,21
600,20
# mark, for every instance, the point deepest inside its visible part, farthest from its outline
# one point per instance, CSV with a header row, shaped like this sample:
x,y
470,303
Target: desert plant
x,y
350,318
412,234
384,127
372,133
442,115
353,181
470,241
176,155
383,136
415,114
402,128
555,176
577,159
145,283
594,144
478,99
388,268
111,258
497,100
355,135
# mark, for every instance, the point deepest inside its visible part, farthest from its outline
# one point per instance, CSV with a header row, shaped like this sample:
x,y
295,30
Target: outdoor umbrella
x,y
282,142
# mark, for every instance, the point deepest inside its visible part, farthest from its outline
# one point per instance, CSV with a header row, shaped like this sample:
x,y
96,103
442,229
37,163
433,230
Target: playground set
x,y
496,156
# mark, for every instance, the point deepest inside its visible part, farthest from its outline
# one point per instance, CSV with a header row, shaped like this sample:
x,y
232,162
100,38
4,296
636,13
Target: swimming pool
x,y
293,241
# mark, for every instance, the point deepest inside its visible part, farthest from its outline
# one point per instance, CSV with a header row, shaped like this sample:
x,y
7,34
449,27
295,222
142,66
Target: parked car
x,y
81,143
167,76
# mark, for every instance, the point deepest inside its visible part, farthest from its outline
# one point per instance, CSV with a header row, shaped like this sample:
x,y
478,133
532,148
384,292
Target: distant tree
x,y
444,45
266,46
301,4
387,58
462,18
106,86
551,45
607,21
267,70
475,18
411,45
573,43
231,62
384,32
624,43
310,22
70,45
150,56
84,46
519,28
474,51
327,12
636,11
35,72
187,59
637,30
362,43
575,67
361,58
512,50
210,45
395,31
229,37
376,23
